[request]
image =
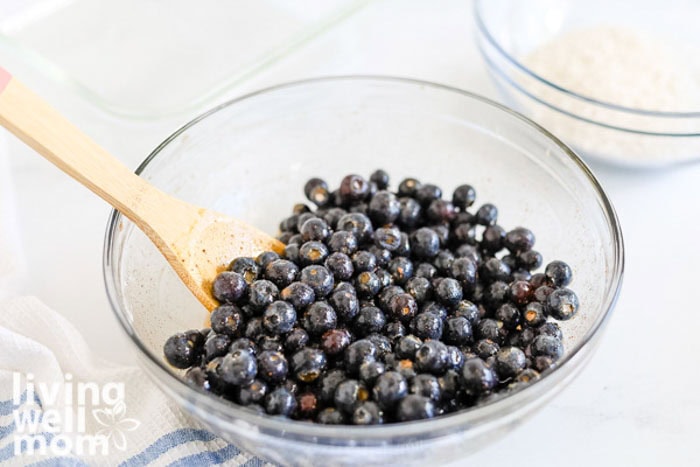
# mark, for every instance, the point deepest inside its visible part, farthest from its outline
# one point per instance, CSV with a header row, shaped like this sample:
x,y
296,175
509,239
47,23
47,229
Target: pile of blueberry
x,y
386,306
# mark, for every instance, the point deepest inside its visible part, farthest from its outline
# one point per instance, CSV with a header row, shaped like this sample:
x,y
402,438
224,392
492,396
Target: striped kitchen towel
x,y
59,405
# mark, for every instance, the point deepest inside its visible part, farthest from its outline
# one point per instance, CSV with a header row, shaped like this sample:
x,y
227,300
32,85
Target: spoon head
x,y
208,247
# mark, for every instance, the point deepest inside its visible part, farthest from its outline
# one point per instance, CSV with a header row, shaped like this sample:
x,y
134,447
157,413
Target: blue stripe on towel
x,y
7,406
59,461
208,457
167,442
10,428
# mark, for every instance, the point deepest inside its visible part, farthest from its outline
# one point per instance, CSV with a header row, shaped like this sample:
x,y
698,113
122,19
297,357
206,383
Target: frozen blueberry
x,y
340,265
381,178
427,325
425,385
246,267
432,357
279,317
425,243
457,331
313,252
272,366
562,304
353,188
184,349
389,388
415,407
449,292
349,394
463,196
280,402
357,353
308,364
319,279
548,346
335,341
367,284
384,208
401,269
559,273
252,393
319,318
409,212
261,293
238,367
281,272
367,413
300,295
358,224
229,286
478,377
296,340
510,361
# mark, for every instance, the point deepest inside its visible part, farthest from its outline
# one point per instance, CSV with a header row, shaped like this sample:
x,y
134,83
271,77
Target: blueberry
x,y
449,292
227,319
184,349
382,255
403,307
388,238
197,377
542,363
533,314
358,224
367,284
319,279
296,340
463,233
441,210
509,362
509,315
458,331
291,253
469,251
425,243
363,260
408,346
542,293
370,319
521,292
330,416
519,239
367,413
315,229
414,407
450,383
246,267
395,330
427,325
427,193
496,294
493,238
401,269
420,288
521,338
432,357
216,345
468,310
280,402
495,270
319,318
425,385
426,270
384,208
562,304
409,212
252,393
548,346
486,348
381,178
443,262
370,371
530,260
478,378
340,265
327,384
343,242
312,252
404,248
332,216
490,329
349,394
300,295
551,329
389,389
486,215
384,278
463,196
266,257
353,188
559,273
335,341
443,233
357,353
408,186
316,190
279,318
228,287
261,293
281,272
308,364
272,366
345,304
238,367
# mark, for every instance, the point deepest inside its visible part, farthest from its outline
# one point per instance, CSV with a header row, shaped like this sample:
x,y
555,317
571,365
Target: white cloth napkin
x,y
60,405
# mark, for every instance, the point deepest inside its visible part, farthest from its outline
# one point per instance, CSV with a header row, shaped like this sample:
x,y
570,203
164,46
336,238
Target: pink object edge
x,y
5,78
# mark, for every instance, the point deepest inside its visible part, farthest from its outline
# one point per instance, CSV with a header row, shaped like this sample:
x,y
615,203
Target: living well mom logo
x,y
67,417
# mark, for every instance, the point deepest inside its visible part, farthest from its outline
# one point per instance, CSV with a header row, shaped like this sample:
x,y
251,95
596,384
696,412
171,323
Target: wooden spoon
x,y
197,242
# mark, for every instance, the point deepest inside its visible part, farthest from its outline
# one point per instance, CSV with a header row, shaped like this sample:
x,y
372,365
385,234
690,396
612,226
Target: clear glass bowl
x,y
250,157
508,30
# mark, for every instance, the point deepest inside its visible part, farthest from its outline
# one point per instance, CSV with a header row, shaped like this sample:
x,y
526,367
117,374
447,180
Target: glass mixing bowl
x,y
509,30
250,158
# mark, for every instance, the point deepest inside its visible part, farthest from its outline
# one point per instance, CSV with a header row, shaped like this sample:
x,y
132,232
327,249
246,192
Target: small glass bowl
x,y
508,30
250,157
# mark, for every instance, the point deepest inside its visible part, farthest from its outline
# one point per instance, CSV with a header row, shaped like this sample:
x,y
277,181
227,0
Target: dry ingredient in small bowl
x,y
386,306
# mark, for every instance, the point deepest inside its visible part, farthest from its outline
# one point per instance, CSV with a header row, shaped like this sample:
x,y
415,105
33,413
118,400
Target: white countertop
x,y
636,403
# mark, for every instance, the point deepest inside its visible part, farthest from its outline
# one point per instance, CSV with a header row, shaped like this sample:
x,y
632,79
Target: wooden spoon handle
x,y
43,128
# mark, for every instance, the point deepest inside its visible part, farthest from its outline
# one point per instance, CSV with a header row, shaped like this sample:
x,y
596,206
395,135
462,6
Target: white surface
x,y
635,404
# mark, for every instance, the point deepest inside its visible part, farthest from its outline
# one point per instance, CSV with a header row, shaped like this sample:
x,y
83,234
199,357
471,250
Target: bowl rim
x,y
484,30
368,433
